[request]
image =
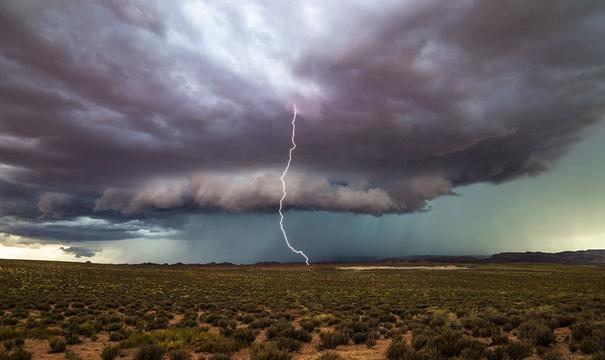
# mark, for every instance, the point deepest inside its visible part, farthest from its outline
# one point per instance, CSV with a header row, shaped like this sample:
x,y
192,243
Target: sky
x,y
134,131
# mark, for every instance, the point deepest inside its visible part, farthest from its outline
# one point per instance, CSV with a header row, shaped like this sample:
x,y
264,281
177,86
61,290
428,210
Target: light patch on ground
x,y
444,267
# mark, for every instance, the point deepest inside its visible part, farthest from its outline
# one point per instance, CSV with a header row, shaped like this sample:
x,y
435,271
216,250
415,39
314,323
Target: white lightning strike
x,y
283,187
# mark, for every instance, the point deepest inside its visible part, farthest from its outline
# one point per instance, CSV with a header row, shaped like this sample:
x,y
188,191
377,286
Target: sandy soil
x,y
87,350
309,351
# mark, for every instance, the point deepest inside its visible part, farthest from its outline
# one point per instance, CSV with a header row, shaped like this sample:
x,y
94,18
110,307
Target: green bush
x,y
244,336
359,337
419,341
599,356
18,354
398,350
537,332
330,340
473,351
288,344
500,339
371,341
179,354
56,345
581,330
269,352
308,324
110,352
517,350
15,343
73,339
7,333
212,343
496,354
553,355
449,343
149,352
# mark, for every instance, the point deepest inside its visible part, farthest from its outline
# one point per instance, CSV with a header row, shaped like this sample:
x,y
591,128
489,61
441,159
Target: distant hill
x,y
589,257
596,257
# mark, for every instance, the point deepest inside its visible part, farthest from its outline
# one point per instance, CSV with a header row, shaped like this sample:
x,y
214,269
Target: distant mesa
x,y
596,257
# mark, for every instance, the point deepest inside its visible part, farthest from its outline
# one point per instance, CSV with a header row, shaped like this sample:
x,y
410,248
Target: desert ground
x,y
52,310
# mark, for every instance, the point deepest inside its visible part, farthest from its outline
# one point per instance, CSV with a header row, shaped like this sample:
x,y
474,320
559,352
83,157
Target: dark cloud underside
x,y
129,110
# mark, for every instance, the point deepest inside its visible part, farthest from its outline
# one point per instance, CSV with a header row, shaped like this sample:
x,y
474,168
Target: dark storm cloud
x,y
85,228
121,109
79,252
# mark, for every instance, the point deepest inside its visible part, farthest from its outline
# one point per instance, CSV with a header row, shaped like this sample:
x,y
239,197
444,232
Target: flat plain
x,y
52,310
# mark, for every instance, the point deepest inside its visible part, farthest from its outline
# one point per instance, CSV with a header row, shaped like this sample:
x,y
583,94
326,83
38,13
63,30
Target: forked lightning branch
x,y
283,186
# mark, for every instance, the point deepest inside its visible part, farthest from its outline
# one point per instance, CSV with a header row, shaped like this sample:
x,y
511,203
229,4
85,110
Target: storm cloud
x,y
129,110
78,252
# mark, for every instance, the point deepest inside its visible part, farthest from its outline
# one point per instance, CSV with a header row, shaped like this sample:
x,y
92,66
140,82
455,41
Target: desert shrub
x,y
70,355
599,356
244,336
217,344
419,341
589,345
308,324
278,328
247,318
371,341
565,320
15,343
269,352
114,326
117,336
110,352
513,322
9,321
544,336
480,327
18,354
581,330
517,350
332,321
330,340
449,343
56,345
261,323
329,356
536,332
137,339
179,354
552,355
285,329
473,351
500,339
73,339
496,354
359,337
87,329
220,357
149,352
7,333
398,350
288,344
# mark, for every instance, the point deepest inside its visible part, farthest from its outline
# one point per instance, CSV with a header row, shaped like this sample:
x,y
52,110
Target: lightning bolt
x,y
283,188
